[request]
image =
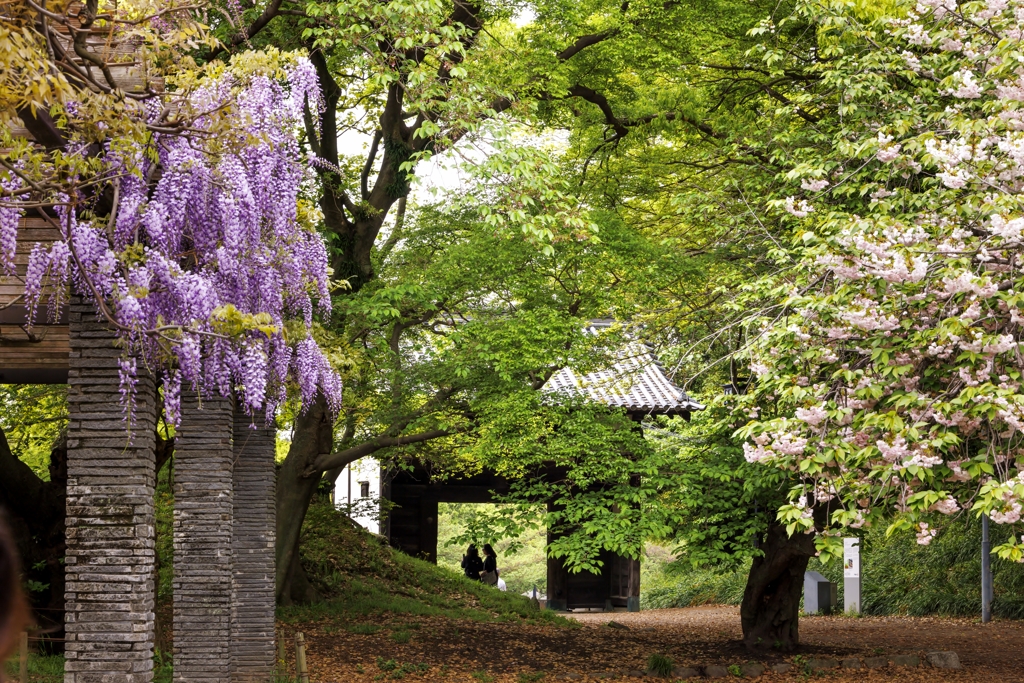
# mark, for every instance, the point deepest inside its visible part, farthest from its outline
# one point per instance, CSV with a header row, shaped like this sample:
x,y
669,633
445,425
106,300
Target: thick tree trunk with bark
x,y
313,435
771,601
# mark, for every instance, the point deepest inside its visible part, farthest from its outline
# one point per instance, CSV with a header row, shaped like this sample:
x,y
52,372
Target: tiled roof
x,y
636,382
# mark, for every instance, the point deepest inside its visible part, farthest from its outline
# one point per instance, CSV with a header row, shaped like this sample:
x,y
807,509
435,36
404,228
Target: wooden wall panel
x,y
39,354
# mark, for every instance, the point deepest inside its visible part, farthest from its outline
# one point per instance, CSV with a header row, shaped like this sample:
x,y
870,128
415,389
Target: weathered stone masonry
x,y
253,537
203,511
224,523
110,558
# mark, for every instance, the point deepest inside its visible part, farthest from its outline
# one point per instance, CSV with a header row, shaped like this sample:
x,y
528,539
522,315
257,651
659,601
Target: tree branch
x,y
601,101
329,119
583,42
272,10
42,127
331,461
364,177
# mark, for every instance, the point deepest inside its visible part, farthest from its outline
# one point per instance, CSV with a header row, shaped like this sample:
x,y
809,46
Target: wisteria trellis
x,y
203,267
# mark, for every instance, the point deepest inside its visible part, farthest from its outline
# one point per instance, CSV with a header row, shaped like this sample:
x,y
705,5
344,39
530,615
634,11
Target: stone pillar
x,y
253,535
202,540
111,559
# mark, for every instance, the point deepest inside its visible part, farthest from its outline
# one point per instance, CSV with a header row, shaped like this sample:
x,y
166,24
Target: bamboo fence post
x,y
23,658
282,655
300,658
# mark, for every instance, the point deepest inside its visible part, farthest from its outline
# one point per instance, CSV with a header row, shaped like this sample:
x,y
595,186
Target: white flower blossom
x,y
799,209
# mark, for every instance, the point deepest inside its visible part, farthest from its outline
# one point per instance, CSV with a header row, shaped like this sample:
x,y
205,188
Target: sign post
x,y
986,572
851,575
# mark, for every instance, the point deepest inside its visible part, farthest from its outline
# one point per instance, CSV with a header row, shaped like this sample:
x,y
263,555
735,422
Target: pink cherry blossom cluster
x,y
901,360
205,269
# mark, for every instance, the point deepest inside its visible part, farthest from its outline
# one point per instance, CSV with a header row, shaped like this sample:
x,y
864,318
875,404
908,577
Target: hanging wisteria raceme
x,y
9,217
899,358
207,272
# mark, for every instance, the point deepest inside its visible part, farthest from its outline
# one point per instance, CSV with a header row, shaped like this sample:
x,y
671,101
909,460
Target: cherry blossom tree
x,y
894,365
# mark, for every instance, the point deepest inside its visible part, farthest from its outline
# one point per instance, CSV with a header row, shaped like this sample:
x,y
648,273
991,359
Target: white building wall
x,y
359,478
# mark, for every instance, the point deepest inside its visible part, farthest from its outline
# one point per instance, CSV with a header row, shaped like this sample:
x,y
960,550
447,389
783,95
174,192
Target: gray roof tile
x,y
636,382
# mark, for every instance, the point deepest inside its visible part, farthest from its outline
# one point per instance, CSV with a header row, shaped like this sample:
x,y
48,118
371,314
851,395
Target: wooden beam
x,y
17,314
33,375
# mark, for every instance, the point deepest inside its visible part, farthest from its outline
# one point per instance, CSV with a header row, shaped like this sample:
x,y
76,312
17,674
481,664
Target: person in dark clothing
x,y
490,573
471,563
490,558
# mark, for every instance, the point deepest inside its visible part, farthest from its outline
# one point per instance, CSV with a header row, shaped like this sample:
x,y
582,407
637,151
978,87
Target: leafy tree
x,y
714,137
886,374
417,79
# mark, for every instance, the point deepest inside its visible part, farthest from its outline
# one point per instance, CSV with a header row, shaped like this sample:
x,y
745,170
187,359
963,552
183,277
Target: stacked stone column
x,y
110,559
224,528
253,537
203,510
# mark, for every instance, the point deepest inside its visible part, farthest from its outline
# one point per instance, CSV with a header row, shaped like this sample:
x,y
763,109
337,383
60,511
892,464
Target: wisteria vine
x,y
205,267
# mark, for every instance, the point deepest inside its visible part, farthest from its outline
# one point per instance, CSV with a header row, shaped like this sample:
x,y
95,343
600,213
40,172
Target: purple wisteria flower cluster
x,y
204,267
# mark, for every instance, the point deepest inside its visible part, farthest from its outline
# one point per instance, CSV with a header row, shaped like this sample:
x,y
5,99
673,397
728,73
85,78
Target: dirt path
x,y
445,650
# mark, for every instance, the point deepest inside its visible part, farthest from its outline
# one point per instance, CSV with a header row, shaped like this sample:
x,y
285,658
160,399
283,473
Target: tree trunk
x,y
313,435
36,513
771,600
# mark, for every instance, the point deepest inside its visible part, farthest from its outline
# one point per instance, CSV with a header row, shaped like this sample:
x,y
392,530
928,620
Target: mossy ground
x,y
363,580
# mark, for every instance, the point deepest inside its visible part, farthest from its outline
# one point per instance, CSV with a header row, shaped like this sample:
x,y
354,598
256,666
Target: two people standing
x,y
485,569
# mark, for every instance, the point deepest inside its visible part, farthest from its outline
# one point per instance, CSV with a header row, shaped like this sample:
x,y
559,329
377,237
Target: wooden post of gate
x,y
300,658
282,656
23,658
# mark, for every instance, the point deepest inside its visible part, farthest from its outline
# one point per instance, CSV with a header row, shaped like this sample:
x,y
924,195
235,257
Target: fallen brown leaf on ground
x,y
441,649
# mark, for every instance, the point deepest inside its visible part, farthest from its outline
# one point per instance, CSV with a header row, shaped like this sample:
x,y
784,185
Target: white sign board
x,y
851,558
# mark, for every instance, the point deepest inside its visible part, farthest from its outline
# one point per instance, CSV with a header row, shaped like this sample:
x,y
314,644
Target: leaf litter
x,y
440,648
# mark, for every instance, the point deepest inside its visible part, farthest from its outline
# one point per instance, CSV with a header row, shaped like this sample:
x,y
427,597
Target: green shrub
x,y
944,578
684,586
898,576
531,676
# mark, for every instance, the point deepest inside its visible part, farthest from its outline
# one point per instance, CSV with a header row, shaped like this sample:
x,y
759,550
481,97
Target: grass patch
x,y
362,577
363,629
41,668
660,665
401,637
395,670
531,676
483,677
50,668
